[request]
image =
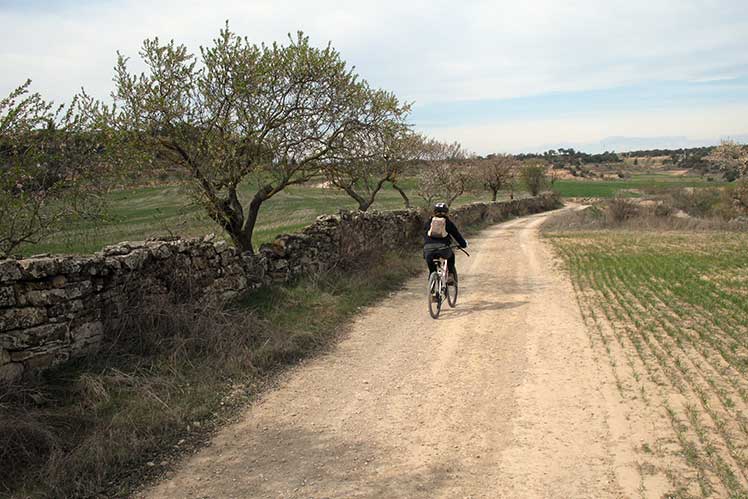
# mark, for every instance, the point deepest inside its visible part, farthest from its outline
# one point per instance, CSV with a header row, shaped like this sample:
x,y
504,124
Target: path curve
x,y
500,397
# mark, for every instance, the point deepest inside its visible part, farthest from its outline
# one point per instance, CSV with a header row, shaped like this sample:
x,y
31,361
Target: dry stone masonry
x,y
56,308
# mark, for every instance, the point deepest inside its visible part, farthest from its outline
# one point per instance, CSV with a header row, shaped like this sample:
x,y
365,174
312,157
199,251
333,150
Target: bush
x,y
734,200
534,178
620,209
696,202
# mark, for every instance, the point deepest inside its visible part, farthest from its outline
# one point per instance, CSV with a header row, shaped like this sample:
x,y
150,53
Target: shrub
x,y
534,177
620,209
696,202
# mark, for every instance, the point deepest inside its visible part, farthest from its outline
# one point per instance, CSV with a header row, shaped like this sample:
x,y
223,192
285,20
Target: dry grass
x,y
165,378
627,215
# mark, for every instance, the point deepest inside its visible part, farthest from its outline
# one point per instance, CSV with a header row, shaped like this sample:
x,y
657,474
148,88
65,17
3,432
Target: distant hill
x,y
625,144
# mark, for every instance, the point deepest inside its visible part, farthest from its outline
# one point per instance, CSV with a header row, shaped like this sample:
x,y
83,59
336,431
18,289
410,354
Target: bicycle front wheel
x,y
452,290
434,295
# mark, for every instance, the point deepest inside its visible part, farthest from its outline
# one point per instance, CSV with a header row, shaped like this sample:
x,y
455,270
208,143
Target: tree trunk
x,y
495,194
363,204
403,195
243,239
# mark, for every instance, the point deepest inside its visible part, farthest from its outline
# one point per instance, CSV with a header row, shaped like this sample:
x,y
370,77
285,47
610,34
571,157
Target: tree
x,y
52,167
730,158
268,116
534,176
445,176
372,155
495,172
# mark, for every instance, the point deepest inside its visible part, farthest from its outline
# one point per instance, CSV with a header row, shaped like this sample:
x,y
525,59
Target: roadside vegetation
x,y
165,378
664,298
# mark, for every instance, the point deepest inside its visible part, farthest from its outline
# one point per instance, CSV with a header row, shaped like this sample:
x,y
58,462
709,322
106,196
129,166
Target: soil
x,y
502,396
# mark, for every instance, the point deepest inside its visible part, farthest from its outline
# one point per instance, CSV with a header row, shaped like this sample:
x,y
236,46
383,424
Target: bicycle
x,y
440,287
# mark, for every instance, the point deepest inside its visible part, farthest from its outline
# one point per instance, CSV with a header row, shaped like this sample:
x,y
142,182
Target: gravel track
x,y
502,396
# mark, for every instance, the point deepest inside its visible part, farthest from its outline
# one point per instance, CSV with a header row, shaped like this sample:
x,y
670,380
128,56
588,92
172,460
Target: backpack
x,y
438,227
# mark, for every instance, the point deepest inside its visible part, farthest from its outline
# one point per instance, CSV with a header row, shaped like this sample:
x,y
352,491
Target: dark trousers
x,y
431,254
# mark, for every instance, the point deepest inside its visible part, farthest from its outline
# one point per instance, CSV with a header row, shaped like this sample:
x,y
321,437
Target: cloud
x,y
707,125
429,51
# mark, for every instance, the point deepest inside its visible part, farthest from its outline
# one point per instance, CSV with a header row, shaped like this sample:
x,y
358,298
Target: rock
x,y
9,271
163,252
33,336
42,359
133,260
59,281
7,296
4,356
87,332
39,268
18,318
117,249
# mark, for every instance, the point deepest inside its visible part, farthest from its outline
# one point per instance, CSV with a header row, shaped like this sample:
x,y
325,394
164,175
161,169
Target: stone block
x,y
33,336
44,359
40,268
134,260
69,308
4,356
9,271
88,331
44,297
163,252
7,296
19,318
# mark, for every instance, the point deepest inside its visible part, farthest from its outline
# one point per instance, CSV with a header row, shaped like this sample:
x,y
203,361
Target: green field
x,y
669,311
141,213
138,214
609,188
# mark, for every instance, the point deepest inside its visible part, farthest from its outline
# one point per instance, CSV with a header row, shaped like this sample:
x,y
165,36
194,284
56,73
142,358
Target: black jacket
x,y
452,233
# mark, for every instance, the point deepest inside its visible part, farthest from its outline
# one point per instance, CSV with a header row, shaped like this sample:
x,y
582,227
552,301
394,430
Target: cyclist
x,y
438,234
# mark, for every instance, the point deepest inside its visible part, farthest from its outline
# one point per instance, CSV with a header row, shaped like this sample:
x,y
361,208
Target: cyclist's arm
x,y
452,231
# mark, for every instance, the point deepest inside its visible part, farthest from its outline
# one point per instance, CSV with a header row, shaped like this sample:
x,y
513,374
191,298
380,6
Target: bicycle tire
x,y
435,307
452,291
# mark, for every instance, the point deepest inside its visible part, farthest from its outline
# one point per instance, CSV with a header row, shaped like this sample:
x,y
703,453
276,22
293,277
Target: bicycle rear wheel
x,y
452,290
434,295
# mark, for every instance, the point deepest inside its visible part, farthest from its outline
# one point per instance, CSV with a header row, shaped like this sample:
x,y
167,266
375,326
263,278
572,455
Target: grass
x,y
676,311
141,213
609,188
166,378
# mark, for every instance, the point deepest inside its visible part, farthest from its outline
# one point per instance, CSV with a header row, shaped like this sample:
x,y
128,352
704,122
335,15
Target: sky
x,y
497,76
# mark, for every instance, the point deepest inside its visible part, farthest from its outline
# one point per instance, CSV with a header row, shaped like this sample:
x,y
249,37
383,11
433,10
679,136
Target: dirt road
x,y
501,397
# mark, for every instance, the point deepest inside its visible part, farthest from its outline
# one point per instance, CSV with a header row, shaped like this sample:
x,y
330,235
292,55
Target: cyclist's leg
x,y
429,256
451,264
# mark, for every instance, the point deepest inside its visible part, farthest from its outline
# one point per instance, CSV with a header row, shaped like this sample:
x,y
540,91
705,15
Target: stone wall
x,y
56,308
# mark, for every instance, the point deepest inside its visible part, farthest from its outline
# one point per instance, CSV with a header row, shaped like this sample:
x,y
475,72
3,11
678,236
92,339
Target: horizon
x,y
610,77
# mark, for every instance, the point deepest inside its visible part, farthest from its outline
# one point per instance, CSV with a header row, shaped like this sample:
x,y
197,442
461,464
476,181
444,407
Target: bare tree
x,y
52,166
495,172
267,116
446,175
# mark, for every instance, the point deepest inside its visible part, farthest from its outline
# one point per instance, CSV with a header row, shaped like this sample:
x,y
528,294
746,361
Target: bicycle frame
x,y
443,272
